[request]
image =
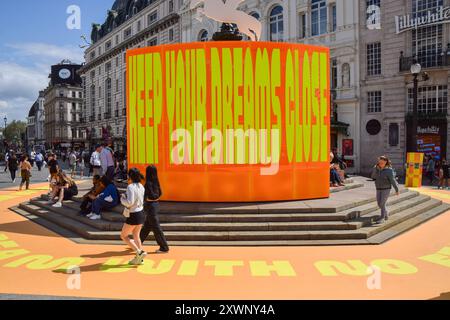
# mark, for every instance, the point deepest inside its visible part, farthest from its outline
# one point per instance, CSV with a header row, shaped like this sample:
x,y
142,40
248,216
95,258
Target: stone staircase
x,y
345,218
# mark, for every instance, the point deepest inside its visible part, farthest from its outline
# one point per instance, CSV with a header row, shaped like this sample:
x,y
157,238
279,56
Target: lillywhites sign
x,y
433,17
429,130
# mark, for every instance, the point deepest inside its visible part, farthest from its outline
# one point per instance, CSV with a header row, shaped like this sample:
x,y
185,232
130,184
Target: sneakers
x,y
57,205
95,217
379,221
161,251
138,259
90,215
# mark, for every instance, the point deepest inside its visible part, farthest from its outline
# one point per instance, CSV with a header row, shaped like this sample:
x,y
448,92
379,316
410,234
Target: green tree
x,y
15,131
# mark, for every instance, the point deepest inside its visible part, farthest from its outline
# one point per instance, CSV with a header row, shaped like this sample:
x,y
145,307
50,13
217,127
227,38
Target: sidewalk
x,y
35,261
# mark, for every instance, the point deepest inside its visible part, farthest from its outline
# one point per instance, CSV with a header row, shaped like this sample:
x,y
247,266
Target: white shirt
x,y
95,159
134,200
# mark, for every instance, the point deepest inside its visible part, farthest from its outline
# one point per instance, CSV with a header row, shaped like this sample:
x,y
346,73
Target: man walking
x,y
107,161
39,160
431,168
72,163
95,161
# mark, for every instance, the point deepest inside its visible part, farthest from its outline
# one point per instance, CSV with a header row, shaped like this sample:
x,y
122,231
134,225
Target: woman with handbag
x,y
133,201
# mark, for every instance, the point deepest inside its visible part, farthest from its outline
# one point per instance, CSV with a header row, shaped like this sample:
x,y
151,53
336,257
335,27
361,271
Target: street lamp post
x,y
415,70
4,133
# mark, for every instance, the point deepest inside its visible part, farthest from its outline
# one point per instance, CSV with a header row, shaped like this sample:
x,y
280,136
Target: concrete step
x,y
90,232
396,225
70,209
394,207
333,205
73,214
294,207
403,216
84,230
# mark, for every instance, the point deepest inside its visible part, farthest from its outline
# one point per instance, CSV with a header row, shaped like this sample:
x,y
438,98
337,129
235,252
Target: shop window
x,y
394,134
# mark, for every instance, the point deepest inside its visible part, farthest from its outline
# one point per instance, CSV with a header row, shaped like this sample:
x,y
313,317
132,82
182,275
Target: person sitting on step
x,y
108,199
63,188
88,198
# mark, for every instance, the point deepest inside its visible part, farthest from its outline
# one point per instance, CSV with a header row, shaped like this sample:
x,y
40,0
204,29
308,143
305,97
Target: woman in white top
x,y
133,202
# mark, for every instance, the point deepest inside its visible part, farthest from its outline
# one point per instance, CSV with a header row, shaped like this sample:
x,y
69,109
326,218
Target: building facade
x,y
63,100
394,36
35,123
129,24
330,23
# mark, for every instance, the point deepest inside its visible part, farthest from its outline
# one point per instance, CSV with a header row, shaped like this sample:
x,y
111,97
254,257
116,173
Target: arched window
x,y
203,36
255,15
108,91
276,24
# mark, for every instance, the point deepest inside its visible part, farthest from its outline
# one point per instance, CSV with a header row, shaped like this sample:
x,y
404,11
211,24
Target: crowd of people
x,y
437,170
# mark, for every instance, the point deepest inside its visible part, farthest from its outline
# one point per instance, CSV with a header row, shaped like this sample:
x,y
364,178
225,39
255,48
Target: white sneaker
x,y
136,261
57,205
95,217
90,215
142,255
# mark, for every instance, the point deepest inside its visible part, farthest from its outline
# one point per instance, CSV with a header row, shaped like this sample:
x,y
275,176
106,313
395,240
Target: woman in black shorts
x,y
133,202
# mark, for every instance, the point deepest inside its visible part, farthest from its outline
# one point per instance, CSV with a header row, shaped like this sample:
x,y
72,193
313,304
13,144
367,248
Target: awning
x,y
340,126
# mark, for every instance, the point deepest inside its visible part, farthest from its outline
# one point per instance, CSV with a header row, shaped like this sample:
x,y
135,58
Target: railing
x,y
429,61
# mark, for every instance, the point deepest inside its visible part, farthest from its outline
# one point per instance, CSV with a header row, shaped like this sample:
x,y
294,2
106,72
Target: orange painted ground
x,y
411,266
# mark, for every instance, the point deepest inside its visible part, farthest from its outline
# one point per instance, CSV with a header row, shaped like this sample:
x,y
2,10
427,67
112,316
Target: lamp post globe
x,y
416,68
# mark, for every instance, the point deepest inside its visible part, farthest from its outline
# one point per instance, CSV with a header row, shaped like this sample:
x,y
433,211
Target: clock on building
x,y
64,73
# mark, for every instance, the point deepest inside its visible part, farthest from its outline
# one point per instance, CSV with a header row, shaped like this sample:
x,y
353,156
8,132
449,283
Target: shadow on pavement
x,y
24,227
109,254
98,267
443,296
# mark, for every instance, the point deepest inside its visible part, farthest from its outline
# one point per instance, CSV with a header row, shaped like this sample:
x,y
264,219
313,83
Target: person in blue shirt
x,y
108,199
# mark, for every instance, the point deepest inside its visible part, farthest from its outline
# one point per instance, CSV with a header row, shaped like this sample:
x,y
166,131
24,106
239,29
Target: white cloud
x,y
26,73
48,52
19,88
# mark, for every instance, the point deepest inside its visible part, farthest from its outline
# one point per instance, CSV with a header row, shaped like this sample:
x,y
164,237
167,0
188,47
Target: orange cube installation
x,y
231,121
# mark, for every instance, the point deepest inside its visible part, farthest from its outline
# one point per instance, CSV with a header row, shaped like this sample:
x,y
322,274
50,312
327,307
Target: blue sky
x,y
33,36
